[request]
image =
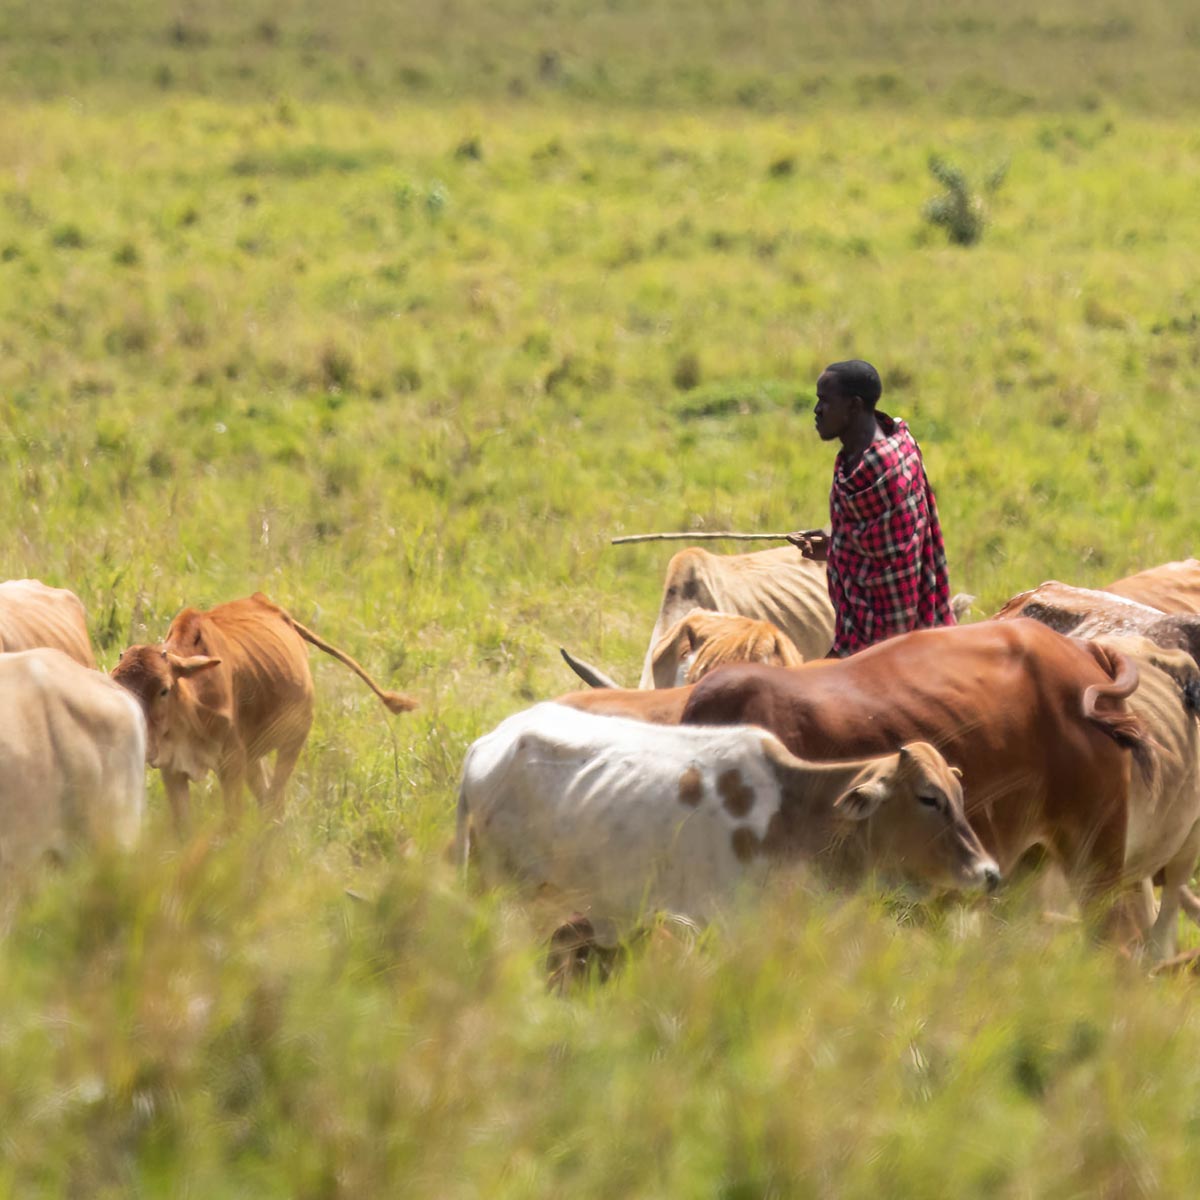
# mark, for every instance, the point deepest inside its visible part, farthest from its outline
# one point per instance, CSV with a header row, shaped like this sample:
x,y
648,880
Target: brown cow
x,y
1034,720
660,706
33,615
1173,587
1085,612
226,688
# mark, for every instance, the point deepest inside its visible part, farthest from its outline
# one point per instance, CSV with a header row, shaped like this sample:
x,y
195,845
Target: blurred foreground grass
x,y
403,342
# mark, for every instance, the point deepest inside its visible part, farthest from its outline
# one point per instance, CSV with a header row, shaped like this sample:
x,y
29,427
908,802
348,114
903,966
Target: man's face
x,y
834,409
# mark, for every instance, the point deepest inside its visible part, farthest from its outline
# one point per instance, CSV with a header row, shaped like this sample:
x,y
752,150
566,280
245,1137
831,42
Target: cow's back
x,y
34,615
264,664
1173,587
1164,802
1002,701
72,755
617,813
779,586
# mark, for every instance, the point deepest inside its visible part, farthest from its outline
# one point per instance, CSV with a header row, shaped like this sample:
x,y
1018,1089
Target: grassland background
x,y
398,313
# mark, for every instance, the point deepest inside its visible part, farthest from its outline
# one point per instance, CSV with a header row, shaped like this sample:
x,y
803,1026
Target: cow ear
x,y
860,802
186,667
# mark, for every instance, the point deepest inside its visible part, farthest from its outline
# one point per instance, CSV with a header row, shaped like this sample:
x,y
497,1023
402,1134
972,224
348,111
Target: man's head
x,y
845,392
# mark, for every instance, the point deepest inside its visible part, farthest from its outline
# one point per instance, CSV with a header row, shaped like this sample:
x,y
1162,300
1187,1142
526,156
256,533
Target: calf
x,y
226,688
33,615
72,759
621,818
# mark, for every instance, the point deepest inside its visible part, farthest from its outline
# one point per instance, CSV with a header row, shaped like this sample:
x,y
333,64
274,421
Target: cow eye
x,y
164,691
931,801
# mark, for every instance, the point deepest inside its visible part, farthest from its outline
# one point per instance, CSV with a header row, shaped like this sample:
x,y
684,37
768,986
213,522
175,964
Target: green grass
x,y
399,313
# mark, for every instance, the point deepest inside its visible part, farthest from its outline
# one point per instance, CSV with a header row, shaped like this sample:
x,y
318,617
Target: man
x,y
884,550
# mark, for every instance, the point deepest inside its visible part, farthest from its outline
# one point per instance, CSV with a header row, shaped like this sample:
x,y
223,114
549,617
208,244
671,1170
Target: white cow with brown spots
x,y
620,818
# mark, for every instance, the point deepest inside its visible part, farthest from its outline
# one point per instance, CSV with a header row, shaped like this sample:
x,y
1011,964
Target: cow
x,y
72,760
1173,587
659,706
702,641
698,643
1163,833
33,614
1034,719
223,690
621,818
779,586
1086,612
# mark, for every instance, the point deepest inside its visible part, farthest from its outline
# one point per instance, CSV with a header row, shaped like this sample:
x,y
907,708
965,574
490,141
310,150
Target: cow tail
x,y
1124,727
395,702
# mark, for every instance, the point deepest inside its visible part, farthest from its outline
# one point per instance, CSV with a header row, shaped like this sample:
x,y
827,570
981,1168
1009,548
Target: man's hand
x,y
812,543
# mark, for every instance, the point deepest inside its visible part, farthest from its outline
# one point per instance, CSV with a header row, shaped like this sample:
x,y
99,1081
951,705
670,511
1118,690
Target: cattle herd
x,y
1067,722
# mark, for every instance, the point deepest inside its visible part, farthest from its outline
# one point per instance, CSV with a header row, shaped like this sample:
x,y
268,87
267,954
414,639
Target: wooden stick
x,y
696,537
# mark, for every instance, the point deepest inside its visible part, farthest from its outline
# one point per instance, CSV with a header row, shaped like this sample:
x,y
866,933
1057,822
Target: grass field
x,y
399,313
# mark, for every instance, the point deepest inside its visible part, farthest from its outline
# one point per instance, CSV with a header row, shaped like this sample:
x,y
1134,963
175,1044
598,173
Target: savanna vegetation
x,y
398,312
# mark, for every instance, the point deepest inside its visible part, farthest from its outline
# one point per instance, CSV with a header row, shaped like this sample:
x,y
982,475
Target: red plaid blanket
x,y
887,561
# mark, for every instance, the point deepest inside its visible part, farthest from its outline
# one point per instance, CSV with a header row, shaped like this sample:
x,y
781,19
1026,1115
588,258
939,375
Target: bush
x,y
958,210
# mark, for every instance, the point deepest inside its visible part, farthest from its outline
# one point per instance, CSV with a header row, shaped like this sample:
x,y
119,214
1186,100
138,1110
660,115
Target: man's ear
x,y
860,802
184,668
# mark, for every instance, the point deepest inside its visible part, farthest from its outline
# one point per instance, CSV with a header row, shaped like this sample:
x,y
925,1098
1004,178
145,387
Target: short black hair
x,y
857,378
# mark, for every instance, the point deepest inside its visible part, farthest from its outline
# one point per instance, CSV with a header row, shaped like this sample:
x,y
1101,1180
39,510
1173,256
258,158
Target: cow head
x,y
913,826
153,674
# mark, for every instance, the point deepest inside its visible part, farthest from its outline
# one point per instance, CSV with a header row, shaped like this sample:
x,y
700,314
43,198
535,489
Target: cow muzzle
x,y
987,876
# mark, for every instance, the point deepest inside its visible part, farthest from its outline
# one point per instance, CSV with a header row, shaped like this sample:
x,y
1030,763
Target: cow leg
x,y
1094,860
260,785
232,774
179,796
285,764
1164,935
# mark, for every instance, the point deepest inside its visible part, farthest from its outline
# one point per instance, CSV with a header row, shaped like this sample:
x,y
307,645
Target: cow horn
x,y
592,676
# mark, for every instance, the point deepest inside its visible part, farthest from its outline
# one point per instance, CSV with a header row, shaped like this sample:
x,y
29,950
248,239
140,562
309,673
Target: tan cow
x,y
33,615
703,641
777,585
1163,831
1173,587
72,760
226,688
1086,612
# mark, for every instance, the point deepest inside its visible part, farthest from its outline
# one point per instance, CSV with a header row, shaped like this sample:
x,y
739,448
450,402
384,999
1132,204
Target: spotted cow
x,y
620,818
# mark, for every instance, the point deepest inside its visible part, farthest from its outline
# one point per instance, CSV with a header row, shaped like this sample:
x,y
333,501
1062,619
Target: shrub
x,y
959,210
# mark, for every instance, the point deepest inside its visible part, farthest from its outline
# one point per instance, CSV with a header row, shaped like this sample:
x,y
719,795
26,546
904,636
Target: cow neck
x,y
808,792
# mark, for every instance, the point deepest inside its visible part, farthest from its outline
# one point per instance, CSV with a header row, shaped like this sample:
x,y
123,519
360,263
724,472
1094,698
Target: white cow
x,y
622,818
33,614
72,759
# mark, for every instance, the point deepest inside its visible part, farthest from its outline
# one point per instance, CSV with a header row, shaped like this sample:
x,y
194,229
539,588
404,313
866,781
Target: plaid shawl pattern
x,y
887,561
